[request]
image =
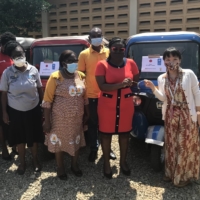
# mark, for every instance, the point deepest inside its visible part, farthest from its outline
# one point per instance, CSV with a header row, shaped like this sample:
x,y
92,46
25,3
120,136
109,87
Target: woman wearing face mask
x,y
179,90
66,112
21,93
115,105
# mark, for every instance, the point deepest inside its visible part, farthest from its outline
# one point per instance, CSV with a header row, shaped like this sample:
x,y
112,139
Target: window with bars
x,y
145,5
144,14
174,12
160,22
162,3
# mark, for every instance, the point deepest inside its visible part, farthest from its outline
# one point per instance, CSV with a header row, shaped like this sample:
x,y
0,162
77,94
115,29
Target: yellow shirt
x,y
51,85
87,63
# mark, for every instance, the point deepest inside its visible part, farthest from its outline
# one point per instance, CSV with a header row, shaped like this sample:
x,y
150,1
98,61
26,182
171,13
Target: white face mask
x,y
19,62
96,41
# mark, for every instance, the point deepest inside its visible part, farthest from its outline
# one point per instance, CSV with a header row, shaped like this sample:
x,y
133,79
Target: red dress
x,y
115,108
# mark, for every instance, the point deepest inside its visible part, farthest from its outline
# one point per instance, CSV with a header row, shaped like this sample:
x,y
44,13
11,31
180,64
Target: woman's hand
x,y
149,84
6,118
127,82
47,127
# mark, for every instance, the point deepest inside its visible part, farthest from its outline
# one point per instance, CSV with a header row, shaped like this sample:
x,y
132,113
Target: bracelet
x,y
198,112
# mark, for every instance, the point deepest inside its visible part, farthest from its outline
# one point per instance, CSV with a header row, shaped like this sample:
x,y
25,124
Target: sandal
x,y
183,184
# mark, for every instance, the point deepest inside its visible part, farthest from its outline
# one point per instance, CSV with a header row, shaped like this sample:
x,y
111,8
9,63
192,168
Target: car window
x,y
52,53
189,50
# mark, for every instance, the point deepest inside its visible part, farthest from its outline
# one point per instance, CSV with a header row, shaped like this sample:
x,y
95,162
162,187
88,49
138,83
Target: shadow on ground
x,y
143,183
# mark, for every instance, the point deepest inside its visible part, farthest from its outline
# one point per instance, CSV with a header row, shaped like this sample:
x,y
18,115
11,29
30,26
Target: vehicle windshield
x,y
189,51
52,53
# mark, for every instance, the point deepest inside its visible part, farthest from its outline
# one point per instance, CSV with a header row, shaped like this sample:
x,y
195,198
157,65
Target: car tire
x,y
156,160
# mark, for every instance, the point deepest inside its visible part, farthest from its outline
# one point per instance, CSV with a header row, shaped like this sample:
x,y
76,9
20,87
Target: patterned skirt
x,y
182,146
66,130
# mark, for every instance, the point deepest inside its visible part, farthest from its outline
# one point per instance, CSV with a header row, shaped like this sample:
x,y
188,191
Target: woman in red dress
x,y
115,105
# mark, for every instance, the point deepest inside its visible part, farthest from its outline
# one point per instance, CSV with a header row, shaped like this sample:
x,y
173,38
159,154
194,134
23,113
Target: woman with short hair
x,y
179,90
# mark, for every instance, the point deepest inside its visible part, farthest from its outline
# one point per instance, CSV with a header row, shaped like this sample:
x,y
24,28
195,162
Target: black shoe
x,y
62,177
78,173
14,151
21,171
93,156
126,172
112,155
108,176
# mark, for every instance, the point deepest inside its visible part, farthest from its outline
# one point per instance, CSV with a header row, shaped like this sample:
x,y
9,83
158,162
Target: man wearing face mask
x,y
5,61
87,63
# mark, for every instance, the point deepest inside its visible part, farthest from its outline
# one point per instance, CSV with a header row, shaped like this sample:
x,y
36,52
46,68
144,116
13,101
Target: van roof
x,y
164,36
25,42
83,39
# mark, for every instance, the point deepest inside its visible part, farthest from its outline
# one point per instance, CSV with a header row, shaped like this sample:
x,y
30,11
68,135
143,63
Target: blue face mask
x,y
96,41
71,68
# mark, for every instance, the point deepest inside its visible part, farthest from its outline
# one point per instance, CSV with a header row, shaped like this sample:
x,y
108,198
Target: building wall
x,y
168,15
78,17
120,17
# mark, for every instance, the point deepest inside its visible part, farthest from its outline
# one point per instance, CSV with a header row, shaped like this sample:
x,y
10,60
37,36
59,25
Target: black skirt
x,y
2,124
25,126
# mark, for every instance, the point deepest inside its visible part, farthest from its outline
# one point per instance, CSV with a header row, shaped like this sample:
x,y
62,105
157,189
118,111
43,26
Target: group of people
x,y
95,90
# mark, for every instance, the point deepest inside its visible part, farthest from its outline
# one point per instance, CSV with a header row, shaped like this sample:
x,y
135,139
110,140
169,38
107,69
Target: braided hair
x,y
116,40
6,37
11,46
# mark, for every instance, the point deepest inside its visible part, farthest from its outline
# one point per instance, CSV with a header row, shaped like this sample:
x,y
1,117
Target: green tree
x,y
21,16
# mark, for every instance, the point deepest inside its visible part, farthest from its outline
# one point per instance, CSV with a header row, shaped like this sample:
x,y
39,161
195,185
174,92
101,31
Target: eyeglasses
x,y
115,49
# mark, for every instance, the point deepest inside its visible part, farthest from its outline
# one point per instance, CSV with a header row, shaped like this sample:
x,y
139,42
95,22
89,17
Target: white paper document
x,y
46,69
151,64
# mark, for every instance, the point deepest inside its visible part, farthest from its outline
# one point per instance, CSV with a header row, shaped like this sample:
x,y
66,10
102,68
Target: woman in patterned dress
x,y
179,90
66,111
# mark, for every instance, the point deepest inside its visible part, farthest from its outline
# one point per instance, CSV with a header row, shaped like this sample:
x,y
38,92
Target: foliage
x,y
21,16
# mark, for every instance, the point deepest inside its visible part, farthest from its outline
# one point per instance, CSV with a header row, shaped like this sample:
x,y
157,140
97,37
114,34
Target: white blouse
x,y
190,85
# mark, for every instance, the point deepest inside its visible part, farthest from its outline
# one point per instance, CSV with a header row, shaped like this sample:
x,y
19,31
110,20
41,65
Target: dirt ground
x,y
143,184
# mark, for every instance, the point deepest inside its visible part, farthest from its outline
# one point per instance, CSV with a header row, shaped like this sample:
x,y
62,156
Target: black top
x,y
116,66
